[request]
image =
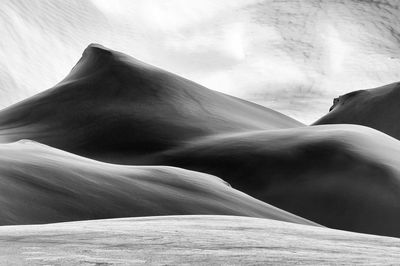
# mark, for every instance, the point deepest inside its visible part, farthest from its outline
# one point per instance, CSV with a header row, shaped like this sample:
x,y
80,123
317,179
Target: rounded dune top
x,y
377,108
95,47
388,93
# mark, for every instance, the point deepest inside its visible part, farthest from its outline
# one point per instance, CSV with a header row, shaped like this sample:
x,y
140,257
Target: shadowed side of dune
x,y
115,108
377,108
345,177
39,184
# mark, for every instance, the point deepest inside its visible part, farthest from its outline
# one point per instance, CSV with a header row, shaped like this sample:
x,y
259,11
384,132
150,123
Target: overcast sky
x,y
291,56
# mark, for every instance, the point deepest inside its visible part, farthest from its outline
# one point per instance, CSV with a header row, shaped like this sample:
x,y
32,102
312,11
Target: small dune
x,y
40,184
377,108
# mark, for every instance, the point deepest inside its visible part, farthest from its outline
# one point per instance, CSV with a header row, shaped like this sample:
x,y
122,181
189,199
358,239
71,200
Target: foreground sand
x,y
190,240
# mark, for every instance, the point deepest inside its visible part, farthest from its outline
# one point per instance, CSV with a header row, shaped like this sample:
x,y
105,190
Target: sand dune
x,y
112,104
114,108
191,240
341,176
39,184
377,108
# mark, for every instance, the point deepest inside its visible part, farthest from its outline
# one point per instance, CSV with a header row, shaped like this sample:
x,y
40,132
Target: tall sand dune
x,y
111,104
40,184
377,108
341,176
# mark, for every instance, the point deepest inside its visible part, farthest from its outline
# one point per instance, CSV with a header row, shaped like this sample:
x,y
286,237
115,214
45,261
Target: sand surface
x,y
189,240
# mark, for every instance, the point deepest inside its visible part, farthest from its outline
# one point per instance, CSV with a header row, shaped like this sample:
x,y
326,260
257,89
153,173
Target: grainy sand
x,y
189,240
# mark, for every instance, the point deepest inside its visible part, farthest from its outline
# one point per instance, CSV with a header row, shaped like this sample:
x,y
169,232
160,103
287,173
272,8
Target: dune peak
x,y
95,58
98,49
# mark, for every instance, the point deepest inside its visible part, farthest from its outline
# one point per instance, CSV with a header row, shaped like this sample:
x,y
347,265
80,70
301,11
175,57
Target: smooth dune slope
x,y
113,107
341,176
377,108
40,184
191,240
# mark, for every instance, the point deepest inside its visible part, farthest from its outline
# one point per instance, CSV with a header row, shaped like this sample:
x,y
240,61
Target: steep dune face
x,y
112,104
39,184
377,108
341,176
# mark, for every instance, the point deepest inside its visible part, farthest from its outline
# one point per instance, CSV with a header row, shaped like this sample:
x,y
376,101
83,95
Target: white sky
x,y
293,56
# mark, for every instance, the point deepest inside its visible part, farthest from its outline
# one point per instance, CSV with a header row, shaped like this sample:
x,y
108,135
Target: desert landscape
x,y
128,162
